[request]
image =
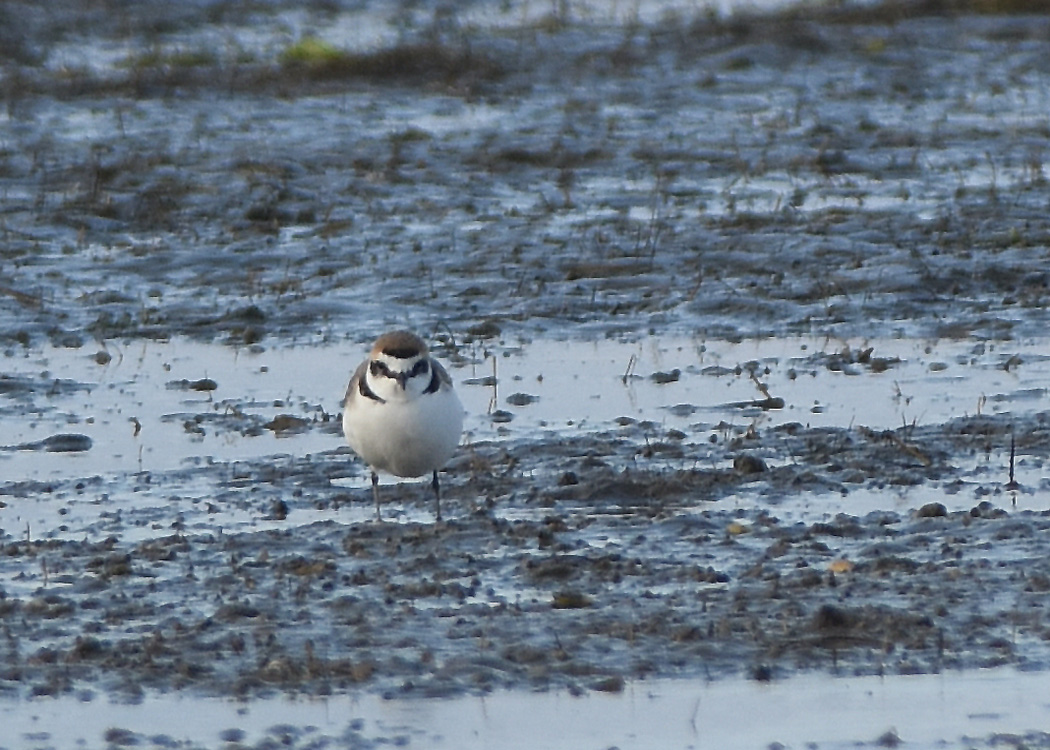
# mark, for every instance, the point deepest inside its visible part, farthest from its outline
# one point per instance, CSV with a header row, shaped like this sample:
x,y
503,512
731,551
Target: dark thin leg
x,y
375,494
437,495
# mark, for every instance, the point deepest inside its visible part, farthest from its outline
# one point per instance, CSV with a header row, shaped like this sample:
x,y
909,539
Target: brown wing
x,y
441,376
353,389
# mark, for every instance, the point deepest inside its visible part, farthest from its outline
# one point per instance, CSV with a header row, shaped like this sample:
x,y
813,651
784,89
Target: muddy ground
x,y
840,174
564,564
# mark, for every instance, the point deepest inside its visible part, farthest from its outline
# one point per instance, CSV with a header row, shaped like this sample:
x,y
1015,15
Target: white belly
x,y
405,438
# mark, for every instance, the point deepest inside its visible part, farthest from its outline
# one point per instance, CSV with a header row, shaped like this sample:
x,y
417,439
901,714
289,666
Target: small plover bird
x,y
400,414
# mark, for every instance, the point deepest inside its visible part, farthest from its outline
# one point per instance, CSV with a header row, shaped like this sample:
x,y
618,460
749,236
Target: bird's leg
x,y
375,494
437,495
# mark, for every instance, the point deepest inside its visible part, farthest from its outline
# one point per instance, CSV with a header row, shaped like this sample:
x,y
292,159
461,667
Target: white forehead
x,y
398,364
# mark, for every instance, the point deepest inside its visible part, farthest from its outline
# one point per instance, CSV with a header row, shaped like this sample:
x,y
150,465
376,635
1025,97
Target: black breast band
x,y
362,387
435,381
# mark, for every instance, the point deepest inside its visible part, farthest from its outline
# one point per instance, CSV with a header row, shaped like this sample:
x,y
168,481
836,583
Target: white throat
x,y
395,379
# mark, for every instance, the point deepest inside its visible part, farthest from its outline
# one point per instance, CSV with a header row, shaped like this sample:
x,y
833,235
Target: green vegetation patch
x,y
320,60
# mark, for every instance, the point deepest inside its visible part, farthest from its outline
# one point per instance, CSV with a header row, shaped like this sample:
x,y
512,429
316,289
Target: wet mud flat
x,y
848,173
575,564
495,180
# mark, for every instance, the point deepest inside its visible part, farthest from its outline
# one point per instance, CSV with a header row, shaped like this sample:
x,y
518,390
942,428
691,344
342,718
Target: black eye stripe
x,y
380,369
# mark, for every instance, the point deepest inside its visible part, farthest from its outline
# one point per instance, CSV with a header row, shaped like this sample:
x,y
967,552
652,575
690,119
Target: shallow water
x,y
952,710
143,415
570,387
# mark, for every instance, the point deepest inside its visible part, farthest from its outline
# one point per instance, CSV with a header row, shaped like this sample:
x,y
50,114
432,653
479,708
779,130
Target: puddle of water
x,y
148,384
580,383
141,425
923,711
552,387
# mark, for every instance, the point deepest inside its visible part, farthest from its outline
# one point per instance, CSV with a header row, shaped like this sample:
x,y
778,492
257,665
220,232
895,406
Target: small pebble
x,y
661,378
747,463
204,384
522,399
66,443
279,510
932,510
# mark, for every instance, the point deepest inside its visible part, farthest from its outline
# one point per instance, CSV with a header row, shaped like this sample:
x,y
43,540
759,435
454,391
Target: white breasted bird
x,y
400,413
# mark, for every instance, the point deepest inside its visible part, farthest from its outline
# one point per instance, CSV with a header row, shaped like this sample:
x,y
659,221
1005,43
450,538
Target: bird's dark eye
x,y
378,369
420,368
